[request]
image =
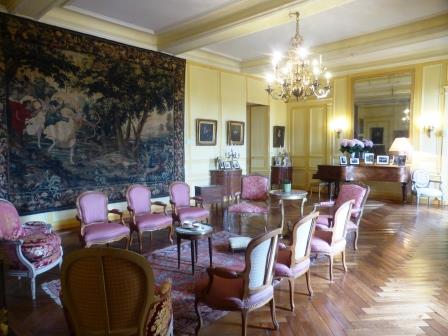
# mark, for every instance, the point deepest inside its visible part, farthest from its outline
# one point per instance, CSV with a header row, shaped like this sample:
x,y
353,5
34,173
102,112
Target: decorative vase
x,y
287,187
353,155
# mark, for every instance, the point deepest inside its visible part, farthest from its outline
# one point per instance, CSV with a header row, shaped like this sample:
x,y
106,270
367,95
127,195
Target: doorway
x,y
258,160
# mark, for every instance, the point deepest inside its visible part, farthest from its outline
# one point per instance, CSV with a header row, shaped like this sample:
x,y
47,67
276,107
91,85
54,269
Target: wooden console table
x,y
379,173
280,173
210,194
230,180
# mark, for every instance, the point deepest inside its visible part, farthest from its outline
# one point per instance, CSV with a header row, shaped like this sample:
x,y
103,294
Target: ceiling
x,y
241,35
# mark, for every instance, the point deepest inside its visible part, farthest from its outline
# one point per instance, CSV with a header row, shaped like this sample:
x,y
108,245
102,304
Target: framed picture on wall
x,y
206,132
278,136
369,158
382,159
235,132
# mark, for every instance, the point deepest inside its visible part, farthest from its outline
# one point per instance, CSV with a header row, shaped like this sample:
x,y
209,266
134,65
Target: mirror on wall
x,y
382,109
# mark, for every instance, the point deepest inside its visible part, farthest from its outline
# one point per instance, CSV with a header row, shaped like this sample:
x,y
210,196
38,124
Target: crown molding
x,y
31,8
236,20
87,24
212,59
377,42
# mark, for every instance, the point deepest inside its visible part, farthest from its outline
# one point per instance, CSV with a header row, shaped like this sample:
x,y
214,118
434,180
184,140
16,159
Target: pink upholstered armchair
x,y
30,249
142,218
294,261
96,228
359,192
332,242
227,289
180,201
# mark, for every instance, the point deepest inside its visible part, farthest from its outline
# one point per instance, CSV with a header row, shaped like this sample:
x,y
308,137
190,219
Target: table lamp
x,y
401,149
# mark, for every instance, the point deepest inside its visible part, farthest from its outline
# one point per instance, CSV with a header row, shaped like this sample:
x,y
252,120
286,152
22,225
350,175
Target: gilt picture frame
x,y
235,132
206,132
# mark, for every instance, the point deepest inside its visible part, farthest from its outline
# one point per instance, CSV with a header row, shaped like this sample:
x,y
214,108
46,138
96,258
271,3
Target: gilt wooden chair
x,y
142,218
109,291
245,291
30,249
294,261
331,243
180,202
96,228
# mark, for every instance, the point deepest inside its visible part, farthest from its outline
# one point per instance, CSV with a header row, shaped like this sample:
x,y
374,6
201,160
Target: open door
x,y
258,160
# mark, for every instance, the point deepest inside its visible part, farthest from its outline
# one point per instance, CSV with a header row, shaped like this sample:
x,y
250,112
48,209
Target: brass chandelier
x,y
297,76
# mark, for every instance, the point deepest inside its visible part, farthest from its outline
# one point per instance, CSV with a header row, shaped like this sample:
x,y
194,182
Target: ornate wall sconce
x,y
338,127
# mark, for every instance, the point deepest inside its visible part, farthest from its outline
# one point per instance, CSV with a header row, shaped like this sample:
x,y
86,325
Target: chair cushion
x,y
239,243
247,208
324,220
39,246
192,213
226,294
152,221
282,268
431,192
103,232
254,188
321,243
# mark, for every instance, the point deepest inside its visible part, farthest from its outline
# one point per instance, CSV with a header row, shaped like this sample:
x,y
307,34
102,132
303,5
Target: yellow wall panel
x,y
256,93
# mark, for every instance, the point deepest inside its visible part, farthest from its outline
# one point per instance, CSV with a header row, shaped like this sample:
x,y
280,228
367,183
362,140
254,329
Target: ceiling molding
x,y
94,26
240,19
32,8
212,59
361,46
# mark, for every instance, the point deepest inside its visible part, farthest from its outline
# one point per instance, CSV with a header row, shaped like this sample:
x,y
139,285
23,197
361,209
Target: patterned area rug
x,y
164,265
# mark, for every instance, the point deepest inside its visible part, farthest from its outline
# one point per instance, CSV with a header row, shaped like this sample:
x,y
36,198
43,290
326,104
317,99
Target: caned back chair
x,y
108,291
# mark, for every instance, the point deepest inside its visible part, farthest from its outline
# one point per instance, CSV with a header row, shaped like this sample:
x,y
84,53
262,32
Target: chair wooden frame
x,y
29,270
330,255
133,221
175,208
231,274
73,313
79,217
311,217
360,211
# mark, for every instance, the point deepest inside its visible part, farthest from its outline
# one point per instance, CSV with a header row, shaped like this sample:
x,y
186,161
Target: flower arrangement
x,y
356,146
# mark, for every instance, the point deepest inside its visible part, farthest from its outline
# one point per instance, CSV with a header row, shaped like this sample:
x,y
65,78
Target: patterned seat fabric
x,y
248,208
39,246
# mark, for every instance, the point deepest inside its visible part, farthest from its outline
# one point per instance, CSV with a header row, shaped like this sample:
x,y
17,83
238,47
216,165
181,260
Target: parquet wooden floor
x,y
396,284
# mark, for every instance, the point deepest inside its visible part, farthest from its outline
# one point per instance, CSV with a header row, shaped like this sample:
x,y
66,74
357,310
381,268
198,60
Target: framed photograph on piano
x,y
369,158
382,159
343,160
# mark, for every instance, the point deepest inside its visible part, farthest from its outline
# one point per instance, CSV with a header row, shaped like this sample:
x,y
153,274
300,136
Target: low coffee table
x,y
193,235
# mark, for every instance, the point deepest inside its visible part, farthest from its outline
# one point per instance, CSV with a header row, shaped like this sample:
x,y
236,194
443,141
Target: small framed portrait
x,y
354,161
227,165
221,165
278,161
369,158
235,133
206,132
278,137
236,164
343,160
382,159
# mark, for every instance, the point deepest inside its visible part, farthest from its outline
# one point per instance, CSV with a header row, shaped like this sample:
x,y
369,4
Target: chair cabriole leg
x,y
274,318
308,282
291,293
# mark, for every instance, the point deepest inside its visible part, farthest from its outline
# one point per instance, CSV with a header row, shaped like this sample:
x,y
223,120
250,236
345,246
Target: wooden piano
x,y
380,173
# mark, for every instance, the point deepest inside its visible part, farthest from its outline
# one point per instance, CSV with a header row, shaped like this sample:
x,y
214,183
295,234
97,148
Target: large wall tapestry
x,y
82,113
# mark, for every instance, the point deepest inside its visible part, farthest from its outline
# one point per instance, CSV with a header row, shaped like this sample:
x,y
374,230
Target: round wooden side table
x,y
293,195
193,235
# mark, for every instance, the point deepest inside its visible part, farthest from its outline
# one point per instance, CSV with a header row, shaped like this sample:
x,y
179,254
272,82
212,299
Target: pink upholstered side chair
x,y
96,228
142,218
180,201
253,198
30,249
294,261
333,242
359,192
109,291
247,290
